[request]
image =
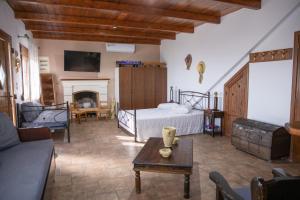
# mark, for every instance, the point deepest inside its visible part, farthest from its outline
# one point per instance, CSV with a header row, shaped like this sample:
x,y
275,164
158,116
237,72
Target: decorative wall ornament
x,y
16,61
201,70
17,64
44,64
188,61
273,55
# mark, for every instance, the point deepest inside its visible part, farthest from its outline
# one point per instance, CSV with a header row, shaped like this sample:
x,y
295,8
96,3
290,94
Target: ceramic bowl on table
x,y
165,152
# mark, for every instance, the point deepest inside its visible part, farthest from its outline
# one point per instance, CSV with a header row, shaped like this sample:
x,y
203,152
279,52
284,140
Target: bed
x,y
145,123
33,115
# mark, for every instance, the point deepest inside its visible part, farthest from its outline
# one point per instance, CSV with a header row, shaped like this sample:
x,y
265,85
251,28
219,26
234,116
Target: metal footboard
x,y
124,120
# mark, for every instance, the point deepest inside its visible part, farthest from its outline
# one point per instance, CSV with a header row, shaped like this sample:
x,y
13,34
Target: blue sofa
x,y
26,160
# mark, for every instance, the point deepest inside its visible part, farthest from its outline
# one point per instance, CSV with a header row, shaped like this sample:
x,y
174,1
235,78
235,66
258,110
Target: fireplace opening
x,y
86,99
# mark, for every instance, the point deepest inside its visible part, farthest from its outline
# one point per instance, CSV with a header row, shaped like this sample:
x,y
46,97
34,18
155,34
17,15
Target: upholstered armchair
x,y
283,186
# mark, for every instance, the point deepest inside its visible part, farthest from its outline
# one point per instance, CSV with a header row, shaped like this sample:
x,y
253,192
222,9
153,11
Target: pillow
x,y
8,133
167,105
39,107
183,109
31,110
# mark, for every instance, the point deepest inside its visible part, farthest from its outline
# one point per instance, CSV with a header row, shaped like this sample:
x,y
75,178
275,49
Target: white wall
x,y
54,49
269,101
222,46
15,27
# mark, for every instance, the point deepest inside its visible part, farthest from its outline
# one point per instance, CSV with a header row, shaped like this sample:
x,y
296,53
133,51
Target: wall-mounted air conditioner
x,y
120,48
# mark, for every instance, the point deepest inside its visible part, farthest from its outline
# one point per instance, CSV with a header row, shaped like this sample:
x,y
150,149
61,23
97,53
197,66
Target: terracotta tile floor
x,y
97,165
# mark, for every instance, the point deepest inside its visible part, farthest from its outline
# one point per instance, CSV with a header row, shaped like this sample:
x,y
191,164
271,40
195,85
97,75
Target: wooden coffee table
x,y
180,162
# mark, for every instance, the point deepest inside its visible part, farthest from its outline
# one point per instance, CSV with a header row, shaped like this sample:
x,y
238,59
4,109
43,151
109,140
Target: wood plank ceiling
x,y
121,21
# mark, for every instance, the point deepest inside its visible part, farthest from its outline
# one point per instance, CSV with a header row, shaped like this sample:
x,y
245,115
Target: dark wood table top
x,y
294,128
182,154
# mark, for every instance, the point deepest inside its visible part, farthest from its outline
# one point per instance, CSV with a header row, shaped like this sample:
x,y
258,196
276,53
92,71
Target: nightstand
x,y
209,122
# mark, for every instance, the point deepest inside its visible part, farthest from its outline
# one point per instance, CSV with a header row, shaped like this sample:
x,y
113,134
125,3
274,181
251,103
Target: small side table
x,y
210,127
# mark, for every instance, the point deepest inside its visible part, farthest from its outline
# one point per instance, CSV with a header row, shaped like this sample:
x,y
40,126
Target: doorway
x,y
236,98
7,102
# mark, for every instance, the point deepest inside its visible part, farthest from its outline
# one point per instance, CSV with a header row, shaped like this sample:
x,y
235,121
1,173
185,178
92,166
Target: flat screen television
x,y
81,61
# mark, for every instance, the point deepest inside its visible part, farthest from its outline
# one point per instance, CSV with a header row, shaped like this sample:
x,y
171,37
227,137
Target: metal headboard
x,y
198,100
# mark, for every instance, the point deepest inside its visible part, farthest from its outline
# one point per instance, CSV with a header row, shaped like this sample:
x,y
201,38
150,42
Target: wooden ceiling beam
x,y
114,39
252,4
128,8
48,27
29,16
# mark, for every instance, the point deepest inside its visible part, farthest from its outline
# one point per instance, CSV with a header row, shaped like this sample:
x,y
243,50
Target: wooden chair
x,y
76,113
283,186
104,109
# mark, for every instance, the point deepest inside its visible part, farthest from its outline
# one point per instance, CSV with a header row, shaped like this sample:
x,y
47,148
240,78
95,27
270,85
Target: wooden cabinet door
x,y
295,108
7,103
160,85
295,105
149,87
125,87
138,87
236,98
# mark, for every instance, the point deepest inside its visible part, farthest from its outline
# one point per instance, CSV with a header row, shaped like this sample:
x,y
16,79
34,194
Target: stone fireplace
x,y
86,99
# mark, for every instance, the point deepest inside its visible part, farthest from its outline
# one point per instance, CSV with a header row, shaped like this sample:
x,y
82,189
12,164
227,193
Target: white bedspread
x,y
151,121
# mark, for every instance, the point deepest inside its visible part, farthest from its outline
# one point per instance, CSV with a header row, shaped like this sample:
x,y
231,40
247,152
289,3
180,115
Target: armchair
x,y
283,186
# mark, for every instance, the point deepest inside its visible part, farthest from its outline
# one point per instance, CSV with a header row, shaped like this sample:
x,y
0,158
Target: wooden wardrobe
x,y
142,87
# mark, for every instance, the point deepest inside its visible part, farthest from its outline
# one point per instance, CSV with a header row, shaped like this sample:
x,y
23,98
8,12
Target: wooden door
x,y
26,94
160,85
125,87
149,87
138,87
295,104
236,98
7,103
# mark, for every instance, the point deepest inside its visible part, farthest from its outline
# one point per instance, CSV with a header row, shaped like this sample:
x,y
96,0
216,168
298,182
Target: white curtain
x,y
35,85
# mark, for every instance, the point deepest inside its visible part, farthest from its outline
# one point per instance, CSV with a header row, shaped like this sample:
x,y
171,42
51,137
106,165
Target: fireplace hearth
x,y
86,99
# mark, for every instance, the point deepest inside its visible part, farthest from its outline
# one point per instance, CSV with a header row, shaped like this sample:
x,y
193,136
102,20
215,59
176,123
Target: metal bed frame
x,y
62,106
198,101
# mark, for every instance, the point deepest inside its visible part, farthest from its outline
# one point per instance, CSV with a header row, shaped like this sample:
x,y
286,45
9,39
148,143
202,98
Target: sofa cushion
x,y
244,192
8,133
24,169
31,110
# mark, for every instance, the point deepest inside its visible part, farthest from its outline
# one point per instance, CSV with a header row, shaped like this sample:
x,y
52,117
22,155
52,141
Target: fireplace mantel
x,y
76,85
